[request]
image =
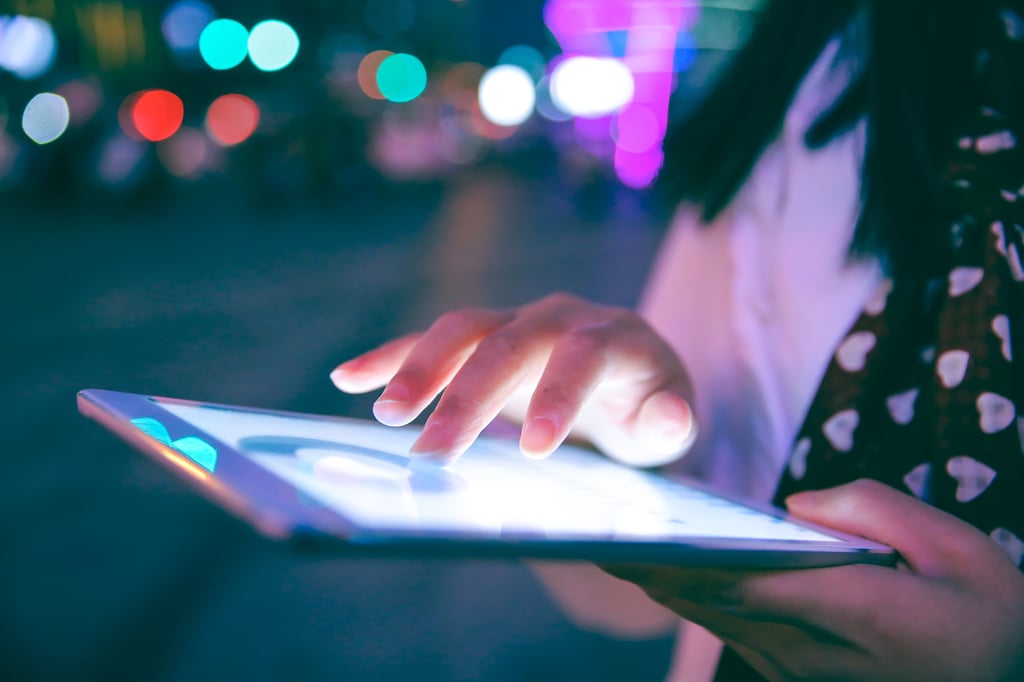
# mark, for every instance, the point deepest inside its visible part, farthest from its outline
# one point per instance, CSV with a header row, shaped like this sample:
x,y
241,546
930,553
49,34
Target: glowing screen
x,y
361,470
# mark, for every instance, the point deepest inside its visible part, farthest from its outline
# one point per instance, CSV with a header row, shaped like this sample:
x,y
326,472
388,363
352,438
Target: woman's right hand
x,y
559,364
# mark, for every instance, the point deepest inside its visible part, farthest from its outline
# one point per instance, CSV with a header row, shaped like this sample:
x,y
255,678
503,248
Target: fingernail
x,y
436,442
538,438
806,498
392,407
339,377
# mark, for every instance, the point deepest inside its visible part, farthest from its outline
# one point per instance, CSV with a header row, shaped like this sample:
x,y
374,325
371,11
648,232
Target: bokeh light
x,y
637,129
529,59
232,119
10,155
84,97
367,72
272,45
223,44
685,53
485,128
461,84
45,118
638,170
122,162
401,78
157,114
507,95
591,86
184,22
28,46
185,154
546,106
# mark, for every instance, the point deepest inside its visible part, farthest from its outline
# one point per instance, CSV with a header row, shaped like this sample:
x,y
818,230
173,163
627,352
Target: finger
x,y
772,641
645,385
372,369
485,382
659,432
931,541
577,364
769,646
432,362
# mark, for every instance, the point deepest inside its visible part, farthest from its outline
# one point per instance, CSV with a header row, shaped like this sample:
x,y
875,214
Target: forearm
x,y
596,601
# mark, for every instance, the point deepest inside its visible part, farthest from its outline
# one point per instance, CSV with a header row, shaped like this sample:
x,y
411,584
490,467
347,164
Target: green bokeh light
x,y
223,44
401,78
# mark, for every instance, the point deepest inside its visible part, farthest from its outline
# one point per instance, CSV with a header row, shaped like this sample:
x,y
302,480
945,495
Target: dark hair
x,y
913,83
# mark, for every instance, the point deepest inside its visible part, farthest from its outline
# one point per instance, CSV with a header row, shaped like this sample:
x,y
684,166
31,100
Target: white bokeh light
x,y
28,46
46,117
273,45
507,95
591,86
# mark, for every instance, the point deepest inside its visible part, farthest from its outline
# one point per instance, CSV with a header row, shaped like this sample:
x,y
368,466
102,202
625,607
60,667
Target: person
x,y
835,322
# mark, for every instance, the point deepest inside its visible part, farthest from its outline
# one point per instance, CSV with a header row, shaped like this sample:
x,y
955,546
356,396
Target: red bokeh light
x,y
366,74
156,114
231,119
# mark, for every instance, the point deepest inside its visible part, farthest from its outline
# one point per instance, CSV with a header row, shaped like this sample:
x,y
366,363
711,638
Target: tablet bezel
x,y
272,505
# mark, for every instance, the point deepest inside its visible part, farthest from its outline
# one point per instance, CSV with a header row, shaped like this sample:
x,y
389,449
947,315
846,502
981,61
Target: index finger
x,y
372,369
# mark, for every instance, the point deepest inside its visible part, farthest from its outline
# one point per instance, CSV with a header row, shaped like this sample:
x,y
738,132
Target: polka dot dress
x,y
935,406
944,422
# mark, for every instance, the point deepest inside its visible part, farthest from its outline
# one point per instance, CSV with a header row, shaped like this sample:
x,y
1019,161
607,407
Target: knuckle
x,y
863,487
561,300
499,348
585,340
470,412
465,319
623,321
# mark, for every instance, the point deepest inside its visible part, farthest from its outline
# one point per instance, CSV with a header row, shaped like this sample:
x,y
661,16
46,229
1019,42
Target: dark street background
x,y
143,251
114,570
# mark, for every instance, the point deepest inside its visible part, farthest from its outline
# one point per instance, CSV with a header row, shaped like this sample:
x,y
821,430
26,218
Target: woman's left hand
x,y
952,610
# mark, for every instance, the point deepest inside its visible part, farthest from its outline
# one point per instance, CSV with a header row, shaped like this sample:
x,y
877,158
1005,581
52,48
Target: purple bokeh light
x,y
583,27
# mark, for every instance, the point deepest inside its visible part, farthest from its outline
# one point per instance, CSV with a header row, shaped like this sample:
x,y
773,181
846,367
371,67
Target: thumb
x,y
661,431
665,424
930,541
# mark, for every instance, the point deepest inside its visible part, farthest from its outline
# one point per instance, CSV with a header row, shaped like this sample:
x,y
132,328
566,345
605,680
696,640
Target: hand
x,y
575,363
954,610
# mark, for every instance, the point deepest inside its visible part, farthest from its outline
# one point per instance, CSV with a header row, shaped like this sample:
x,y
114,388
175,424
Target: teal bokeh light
x,y
529,59
223,44
272,45
401,78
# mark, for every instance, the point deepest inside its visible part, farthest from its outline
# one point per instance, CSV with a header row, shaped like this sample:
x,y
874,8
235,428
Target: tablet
x,y
348,485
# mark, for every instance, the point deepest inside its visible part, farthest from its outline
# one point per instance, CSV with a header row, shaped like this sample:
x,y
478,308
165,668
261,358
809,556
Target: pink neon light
x,y
581,28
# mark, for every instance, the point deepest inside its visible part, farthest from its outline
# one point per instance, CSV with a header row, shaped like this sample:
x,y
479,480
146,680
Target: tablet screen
x,y
362,471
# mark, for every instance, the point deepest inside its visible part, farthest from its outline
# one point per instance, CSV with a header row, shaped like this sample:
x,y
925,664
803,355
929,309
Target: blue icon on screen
x,y
196,449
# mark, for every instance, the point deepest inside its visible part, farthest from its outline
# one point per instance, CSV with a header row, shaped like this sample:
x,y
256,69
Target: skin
x,y
953,609
555,365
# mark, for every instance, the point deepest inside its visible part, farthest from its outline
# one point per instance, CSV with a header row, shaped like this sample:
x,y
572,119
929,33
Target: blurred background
x,y
221,200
